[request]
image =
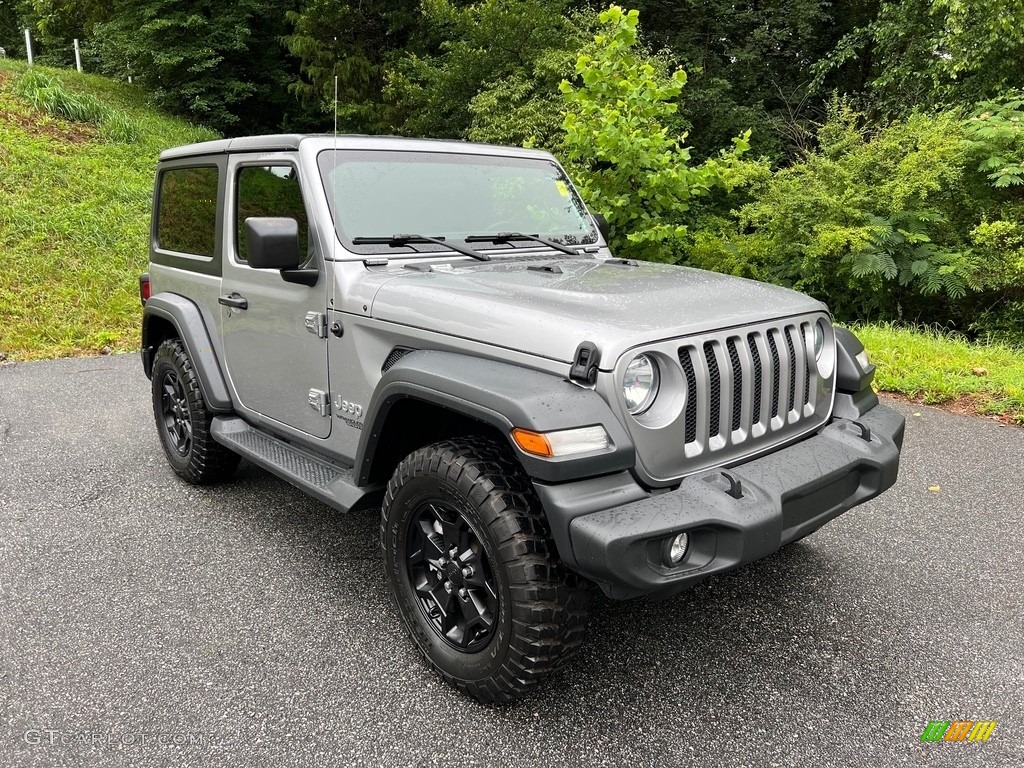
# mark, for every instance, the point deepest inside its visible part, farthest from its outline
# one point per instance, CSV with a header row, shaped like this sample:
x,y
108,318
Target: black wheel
x,y
474,573
182,420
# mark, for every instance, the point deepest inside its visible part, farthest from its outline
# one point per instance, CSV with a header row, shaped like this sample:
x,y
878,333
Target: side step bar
x,y
331,484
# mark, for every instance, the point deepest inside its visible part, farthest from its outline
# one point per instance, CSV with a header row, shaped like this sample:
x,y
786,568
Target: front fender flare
x,y
503,396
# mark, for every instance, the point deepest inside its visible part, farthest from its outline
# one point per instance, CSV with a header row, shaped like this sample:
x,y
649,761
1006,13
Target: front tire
x,y
474,573
182,420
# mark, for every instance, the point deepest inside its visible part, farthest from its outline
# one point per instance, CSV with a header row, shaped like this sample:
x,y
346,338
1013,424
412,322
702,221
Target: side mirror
x,y
602,226
272,243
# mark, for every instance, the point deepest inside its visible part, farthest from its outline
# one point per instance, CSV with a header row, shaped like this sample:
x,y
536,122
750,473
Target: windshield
x,y
379,194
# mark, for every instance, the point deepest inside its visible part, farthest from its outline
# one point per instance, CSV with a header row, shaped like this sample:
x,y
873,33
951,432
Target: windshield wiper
x,y
397,241
508,237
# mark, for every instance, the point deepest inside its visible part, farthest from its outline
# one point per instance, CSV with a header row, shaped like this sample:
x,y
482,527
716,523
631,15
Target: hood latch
x,y
585,362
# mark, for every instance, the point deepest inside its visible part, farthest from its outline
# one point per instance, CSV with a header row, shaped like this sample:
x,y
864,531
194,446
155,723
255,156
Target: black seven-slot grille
x,y
748,384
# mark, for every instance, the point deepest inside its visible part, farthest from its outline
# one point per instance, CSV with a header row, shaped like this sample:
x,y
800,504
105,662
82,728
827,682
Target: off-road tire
x,y
540,614
182,420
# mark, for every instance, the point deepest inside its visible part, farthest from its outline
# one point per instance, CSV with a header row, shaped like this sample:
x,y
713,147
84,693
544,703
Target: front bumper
x,y
781,497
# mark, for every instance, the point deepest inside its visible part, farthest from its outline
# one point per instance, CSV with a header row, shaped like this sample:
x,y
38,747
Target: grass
x,y
47,93
936,367
75,200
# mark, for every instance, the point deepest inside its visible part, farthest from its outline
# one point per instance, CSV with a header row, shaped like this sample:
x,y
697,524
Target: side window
x,y
187,219
269,190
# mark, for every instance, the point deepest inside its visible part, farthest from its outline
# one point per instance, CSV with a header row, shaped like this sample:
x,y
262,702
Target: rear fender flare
x,y
184,315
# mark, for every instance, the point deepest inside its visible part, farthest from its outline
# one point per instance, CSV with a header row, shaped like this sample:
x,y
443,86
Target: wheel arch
x,y
429,393
168,315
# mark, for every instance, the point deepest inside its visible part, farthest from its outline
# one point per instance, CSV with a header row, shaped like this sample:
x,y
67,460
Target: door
x,y
274,331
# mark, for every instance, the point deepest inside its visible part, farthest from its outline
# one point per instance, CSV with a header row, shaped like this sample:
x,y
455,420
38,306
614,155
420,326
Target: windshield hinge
x,y
585,362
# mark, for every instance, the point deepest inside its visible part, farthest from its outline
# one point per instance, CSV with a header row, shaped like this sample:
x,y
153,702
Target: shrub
x,y
917,220
631,168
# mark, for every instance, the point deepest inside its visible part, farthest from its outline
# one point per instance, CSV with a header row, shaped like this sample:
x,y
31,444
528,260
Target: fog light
x,y
676,549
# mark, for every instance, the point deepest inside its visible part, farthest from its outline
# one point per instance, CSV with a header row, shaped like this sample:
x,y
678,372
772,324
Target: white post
x,y
78,57
28,45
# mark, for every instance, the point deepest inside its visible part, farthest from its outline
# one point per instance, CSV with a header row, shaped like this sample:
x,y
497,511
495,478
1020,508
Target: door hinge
x,y
316,322
319,402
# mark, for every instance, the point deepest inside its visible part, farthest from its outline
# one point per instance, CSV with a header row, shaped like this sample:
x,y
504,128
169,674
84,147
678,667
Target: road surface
x,y
145,622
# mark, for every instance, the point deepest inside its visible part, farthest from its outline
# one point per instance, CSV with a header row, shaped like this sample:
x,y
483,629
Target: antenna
x,y
334,199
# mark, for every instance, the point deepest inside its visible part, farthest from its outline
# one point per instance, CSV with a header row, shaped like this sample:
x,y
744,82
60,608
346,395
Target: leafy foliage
x,y
920,53
525,107
996,131
468,50
209,61
888,224
12,23
899,199
355,42
629,166
748,64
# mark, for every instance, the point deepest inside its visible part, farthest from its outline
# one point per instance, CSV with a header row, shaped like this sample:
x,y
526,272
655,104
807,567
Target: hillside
x,y
74,209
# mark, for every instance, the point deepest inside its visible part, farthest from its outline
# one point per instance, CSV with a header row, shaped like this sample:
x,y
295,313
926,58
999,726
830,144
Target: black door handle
x,y
234,300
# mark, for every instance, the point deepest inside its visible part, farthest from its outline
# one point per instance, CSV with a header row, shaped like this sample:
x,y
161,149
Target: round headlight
x,y
819,339
640,384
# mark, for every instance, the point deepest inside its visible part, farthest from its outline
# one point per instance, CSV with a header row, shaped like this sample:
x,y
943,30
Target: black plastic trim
x,y
586,363
286,460
185,316
611,531
307,277
853,405
503,396
850,376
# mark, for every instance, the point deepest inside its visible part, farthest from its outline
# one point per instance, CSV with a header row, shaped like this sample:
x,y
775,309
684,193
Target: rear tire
x,y
182,420
474,573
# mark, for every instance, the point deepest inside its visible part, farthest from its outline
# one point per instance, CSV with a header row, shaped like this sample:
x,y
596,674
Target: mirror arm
x,y
301,276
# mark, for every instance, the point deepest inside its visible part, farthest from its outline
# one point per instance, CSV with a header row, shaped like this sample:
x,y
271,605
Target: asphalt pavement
x,y
144,622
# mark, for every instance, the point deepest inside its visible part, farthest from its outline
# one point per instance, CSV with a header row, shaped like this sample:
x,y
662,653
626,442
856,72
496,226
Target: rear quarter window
x,y
187,215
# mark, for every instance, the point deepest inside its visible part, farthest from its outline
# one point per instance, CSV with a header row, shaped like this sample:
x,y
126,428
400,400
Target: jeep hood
x,y
547,307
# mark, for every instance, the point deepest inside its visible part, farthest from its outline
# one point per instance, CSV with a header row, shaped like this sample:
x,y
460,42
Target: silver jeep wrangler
x,y
438,330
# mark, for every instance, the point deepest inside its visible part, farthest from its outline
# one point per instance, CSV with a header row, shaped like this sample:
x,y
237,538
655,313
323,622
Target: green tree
x,y
748,63
928,53
524,108
56,24
221,64
11,26
496,46
355,42
630,167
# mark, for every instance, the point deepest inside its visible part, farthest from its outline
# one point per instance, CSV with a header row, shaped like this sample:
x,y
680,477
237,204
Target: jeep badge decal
x,y
350,413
